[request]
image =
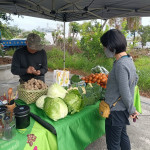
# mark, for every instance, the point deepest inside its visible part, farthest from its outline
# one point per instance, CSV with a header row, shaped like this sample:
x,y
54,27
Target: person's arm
x,y
15,67
44,67
122,77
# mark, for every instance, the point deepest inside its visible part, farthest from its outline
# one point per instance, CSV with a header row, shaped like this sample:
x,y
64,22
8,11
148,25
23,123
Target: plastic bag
x,y
99,69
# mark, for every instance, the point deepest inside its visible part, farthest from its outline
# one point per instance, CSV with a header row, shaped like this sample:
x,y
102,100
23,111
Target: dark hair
x,y
114,40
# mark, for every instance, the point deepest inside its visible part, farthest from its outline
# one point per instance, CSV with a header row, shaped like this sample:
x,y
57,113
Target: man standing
x,y
30,61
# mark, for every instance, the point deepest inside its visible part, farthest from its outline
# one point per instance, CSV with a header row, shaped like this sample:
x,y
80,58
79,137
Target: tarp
x,y
43,139
75,10
75,131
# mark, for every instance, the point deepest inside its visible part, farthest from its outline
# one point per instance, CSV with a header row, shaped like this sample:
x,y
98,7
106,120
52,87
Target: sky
x,y
30,23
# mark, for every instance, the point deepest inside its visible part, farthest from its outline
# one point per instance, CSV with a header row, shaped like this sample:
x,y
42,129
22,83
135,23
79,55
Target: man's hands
x,y
31,70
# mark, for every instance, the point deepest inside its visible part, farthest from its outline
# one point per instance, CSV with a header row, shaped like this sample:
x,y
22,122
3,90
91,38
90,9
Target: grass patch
x,y
143,69
10,52
76,61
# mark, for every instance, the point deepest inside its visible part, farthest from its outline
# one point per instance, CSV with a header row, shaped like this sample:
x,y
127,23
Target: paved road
x,y
138,132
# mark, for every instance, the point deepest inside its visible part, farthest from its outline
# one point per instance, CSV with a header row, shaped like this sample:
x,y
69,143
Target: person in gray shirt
x,y
121,83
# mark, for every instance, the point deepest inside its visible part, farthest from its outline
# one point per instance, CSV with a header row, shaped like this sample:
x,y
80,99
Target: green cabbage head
x,y
73,101
55,108
56,90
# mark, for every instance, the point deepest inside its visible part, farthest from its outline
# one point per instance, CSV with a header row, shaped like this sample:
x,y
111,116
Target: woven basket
x,y
30,96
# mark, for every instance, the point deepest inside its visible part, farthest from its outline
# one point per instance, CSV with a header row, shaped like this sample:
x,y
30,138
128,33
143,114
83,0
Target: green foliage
x,y
4,16
144,32
25,34
76,61
58,35
2,51
41,34
10,52
74,27
14,30
5,32
143,66
55,58
90,42
123,29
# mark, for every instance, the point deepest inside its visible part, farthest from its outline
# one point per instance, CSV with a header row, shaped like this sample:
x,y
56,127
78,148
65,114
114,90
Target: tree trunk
x,y
134,38
73,42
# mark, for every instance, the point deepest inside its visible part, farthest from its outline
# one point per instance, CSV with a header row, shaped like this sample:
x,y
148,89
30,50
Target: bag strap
x,y
114,104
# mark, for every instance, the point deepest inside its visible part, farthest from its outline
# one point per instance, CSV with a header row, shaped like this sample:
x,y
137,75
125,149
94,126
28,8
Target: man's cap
x,y
34,42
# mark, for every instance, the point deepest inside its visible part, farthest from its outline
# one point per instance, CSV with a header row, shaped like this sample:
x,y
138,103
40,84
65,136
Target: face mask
x,y
108,53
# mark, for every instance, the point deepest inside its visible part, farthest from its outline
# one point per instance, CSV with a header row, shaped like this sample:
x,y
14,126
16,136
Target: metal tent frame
x,y
75,10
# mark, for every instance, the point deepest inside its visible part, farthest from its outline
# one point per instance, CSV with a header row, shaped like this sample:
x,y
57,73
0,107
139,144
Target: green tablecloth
x,y
74,132
45,140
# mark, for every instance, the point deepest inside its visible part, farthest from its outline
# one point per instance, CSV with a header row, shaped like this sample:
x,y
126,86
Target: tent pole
x,y
64,43
104,24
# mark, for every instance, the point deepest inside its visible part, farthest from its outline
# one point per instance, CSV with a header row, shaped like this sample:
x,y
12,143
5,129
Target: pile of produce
x,y
91,94
34,84
53,103
60,101
99,78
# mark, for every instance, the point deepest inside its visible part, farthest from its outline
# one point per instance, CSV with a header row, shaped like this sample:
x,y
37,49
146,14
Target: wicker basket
x,y
30,96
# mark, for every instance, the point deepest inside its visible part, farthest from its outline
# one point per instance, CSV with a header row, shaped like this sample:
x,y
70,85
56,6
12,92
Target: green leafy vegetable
x,y
92,95
40,101
56,90
75,78
73,101
55,108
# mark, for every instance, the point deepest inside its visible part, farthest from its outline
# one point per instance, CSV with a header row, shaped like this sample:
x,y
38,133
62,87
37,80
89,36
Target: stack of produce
x,y
31,90
52,103
59,102
34,84
99,78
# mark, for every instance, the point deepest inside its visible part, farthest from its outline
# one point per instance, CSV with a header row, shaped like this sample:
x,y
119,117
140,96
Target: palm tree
x,y
133,24
74,29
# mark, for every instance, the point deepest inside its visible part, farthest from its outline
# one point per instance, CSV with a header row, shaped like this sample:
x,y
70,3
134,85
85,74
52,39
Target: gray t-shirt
x,y
121,82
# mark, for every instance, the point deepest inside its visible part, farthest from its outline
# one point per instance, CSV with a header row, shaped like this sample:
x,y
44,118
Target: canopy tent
x,y
76,10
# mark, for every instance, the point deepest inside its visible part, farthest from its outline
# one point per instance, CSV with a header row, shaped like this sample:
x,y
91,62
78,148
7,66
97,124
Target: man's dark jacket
x,y
22,59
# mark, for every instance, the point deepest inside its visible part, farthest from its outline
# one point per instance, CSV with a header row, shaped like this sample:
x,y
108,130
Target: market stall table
x,y
74,132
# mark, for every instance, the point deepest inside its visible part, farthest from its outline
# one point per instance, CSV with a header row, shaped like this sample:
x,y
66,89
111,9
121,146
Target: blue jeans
x,y
116,137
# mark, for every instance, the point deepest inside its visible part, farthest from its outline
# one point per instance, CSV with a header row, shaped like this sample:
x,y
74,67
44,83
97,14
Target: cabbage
x,y
73,101
56,90
55,108
40,101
